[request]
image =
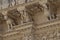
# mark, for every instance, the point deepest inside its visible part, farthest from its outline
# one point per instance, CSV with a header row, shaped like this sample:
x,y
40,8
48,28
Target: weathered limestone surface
x,y
34,20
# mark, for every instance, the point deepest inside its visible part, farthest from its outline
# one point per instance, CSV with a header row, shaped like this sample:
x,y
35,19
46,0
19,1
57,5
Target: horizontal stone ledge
x,y
51,23
17,30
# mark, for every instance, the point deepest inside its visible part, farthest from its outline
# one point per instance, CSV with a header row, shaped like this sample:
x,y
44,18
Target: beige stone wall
x,y
19,33
50,32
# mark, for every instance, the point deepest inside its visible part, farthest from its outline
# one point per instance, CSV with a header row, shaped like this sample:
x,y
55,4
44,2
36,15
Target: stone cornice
x,y
20,29
48,26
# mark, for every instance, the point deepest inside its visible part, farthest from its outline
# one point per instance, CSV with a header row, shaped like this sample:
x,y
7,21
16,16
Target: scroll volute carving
x,y
14,14
34,8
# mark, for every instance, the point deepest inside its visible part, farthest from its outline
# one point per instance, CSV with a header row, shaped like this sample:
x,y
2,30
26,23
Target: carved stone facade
x,y
30,20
